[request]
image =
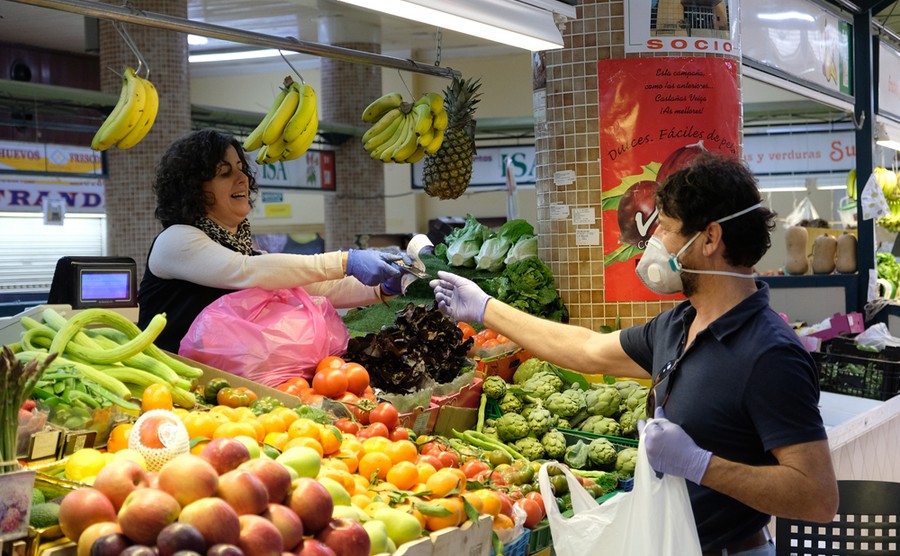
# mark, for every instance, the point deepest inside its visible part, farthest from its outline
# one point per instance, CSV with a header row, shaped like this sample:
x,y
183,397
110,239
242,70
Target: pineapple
x,y
448,171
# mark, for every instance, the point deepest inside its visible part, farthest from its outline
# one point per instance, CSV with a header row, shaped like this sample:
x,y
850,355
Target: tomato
x,y
473,466
385,413
358,407
467,329
250,393
399,433
330,362
156,396
287,388
357,378
534,512
330,382
490,343
536,496
487,334
378,429
369,394
346,426
232,397
501,339
431,460
433,448
488,477
449,458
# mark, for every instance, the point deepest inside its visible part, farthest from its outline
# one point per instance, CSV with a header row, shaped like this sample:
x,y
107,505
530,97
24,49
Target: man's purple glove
x,y
459,297
394,284
372,267
670,449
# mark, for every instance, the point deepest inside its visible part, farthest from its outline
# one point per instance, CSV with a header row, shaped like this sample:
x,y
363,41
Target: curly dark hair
x,y
713,186
186,164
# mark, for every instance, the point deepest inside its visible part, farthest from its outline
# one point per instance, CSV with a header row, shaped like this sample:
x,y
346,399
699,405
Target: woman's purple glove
x,y
459,297
394,284
670,449
372,267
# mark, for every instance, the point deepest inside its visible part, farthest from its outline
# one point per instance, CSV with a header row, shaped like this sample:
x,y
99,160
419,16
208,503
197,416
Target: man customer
x,y
735,394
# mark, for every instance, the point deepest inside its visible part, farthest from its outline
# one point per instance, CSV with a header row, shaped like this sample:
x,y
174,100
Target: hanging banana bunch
x,y
404,132
289,127
887,181
132,117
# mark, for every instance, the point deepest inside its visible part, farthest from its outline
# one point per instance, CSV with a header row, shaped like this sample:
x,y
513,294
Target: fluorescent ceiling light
x,y
504,21
785,16
236,55
887,136
196,40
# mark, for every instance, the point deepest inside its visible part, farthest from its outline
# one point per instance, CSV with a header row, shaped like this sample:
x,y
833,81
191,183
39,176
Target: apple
x,y
110,544
224,549
302,459
259,537
146,512
180,536
288,524
188,477
346,537
226,453
314,547
216,520
251,444
243,491
350,512
138,550
273,475
401,526
118,478
81,508
187,553
338,493
378,536
92,533
313,503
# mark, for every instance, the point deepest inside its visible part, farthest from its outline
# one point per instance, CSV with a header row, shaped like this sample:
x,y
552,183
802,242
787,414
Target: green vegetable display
x,y
554,443
462,244
601,454
606,426
576,455
542,385
522,249
493,252
511,427
530,447
566,403
529,368
888,270
603,400
528,285
625,462
539,420
494,387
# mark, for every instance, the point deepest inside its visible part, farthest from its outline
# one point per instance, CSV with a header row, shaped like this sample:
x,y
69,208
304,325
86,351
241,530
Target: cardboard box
x,y
452,418
504,366
469,539
421,420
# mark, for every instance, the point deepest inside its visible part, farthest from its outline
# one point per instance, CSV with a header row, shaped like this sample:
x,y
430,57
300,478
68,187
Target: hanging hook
x,y
437,49
142,63
862,119
283,57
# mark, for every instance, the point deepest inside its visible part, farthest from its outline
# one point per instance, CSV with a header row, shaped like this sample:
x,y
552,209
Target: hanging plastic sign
x,y
34,158
314,170
682,28
27,193
800,153
489,167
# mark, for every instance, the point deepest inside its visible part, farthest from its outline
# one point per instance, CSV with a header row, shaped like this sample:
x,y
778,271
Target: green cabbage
x,y
494,249
464,243
522,249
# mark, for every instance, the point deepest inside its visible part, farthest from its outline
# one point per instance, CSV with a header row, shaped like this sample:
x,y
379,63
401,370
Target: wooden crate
x,y
469,539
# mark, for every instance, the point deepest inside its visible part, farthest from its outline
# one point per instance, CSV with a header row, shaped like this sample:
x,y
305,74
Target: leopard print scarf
x,y
242,242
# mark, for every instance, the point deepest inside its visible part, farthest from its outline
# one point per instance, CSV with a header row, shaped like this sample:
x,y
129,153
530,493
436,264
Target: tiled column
x,y
568,139
130,201
357,205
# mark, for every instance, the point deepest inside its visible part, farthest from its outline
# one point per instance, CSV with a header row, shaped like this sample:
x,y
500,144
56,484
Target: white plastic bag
x,y
803,211
654,519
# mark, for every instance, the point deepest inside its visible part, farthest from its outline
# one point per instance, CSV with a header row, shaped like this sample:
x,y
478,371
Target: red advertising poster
x,y
655,115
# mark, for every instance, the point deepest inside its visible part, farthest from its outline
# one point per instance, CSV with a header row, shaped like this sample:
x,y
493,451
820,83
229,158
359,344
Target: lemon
x,y
133,455
84,463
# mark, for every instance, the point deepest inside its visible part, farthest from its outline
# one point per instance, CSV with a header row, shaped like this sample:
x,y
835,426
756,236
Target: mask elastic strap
x,y
721,273
739,213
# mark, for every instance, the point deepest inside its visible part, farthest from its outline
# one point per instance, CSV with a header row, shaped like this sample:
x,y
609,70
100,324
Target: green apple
x,y
401,526
350,512
251,444
378,536
338,493
302,459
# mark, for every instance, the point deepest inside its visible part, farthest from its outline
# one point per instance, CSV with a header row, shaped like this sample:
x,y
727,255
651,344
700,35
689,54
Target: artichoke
x,y
601,453
625,387
494,387
603,401
605,426
554,443
530,447
625,462
563,424
529,368
511,427
628,424
637,397
542,384
539,420
566,403
510,403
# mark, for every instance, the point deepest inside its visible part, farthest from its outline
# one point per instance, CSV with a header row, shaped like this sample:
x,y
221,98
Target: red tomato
x,y
433,460
346,426
449,458
378,429
487,334
506,505
385,413
536,496
490,477
288,388
432,448
467,329
357,378
473,467
399,433
330,382
534,512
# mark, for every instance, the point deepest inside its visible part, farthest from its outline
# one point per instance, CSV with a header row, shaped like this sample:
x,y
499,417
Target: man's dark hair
x,y
713,186
182,169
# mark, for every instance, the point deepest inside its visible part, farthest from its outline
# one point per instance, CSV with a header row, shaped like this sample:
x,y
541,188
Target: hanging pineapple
x,y
449,169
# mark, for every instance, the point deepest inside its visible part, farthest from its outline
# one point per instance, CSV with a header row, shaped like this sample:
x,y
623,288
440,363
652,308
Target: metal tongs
x,y
415,271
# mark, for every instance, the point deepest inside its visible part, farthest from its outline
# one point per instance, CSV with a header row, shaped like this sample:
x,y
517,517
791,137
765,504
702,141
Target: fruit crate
x,y
518,547
858,375
540,537
472,538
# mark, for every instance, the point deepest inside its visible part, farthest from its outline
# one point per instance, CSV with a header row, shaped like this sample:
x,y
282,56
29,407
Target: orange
x,y
335,464
257,426
360,501
402,450
156,396
306,428
442,483
118,437
403,474
459,473
304,441
277,440
376,444
243,412
228,412
200,424
475,500
331,437
362,484
349,457
374,464
457,514
490,501
232,429
272,422
286,413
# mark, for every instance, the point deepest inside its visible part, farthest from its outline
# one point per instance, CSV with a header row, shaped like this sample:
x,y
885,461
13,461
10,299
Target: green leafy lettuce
x,y
494,250
462,244
528,285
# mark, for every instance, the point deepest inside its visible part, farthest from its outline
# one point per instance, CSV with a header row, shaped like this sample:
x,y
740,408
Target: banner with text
x,y
800,153
24,193
33,158
314,170
489,167
655,115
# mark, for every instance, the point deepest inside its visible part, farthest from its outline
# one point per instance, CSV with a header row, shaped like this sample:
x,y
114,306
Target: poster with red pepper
x,y
656,114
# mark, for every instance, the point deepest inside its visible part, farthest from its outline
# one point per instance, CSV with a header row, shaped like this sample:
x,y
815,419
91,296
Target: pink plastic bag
x,y
267,336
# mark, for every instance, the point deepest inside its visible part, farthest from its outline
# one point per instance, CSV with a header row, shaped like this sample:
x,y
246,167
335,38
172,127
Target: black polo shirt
x,y
745,386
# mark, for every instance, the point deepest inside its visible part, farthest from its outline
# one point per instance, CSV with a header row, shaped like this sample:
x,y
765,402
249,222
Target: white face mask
x,y
661,271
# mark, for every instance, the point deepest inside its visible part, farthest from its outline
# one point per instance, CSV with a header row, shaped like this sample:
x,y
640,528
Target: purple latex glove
x,y
394,284
459,297
372,267
670,449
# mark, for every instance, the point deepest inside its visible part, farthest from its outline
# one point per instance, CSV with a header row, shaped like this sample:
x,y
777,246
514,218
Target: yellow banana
x,y
418,155
261,155
275,128
305,110
381,106
409,145
390,141
254,140
851,183
426,138
436,142
151,108
128,116
301,144
117,109
434,101
384,137
423,118
276,149
402,136
440,120
383,123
